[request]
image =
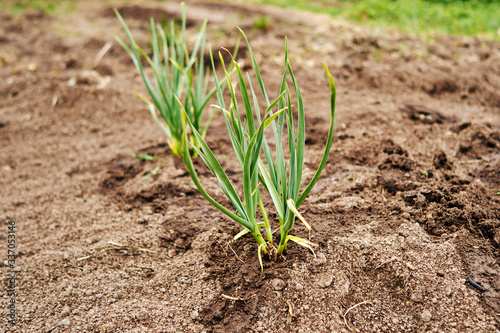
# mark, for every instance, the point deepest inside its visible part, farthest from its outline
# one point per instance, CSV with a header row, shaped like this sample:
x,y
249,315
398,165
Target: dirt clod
x,y
279,284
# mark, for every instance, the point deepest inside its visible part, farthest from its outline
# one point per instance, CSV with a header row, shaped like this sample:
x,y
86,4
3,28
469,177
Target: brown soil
x,y
406,210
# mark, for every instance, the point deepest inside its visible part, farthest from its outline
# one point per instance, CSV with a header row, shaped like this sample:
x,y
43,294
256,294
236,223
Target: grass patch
x,y
18,7
456,17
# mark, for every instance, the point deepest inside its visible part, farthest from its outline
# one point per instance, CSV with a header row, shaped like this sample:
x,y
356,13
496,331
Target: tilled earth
x,y
406,211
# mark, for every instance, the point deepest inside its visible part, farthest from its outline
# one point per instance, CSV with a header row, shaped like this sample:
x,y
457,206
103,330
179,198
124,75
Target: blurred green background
x,y
419,17
457,17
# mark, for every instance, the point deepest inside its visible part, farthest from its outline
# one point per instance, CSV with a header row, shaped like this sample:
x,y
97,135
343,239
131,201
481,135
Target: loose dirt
x,y
407,209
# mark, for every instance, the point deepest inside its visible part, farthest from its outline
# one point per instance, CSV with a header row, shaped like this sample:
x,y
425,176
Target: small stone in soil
x,y
410,266
440,273
320,259
66,311
194,314
278,284
426,315
324,280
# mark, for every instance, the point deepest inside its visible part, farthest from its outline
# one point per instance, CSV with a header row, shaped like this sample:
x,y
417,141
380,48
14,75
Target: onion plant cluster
x,y
278,170
176,72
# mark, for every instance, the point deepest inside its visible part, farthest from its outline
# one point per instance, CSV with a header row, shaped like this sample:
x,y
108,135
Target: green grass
x,y
456,17
18,7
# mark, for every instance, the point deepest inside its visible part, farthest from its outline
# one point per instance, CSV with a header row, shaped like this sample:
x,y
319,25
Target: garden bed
x,y
407,209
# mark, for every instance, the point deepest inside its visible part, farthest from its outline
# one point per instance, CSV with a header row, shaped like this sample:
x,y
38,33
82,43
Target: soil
x,y
406,211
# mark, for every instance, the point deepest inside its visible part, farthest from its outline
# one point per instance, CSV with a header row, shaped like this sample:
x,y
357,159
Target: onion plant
x,y
176,72
279,171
